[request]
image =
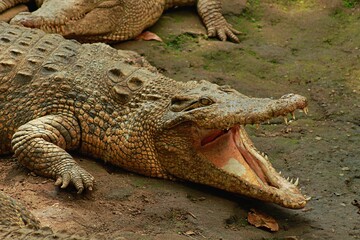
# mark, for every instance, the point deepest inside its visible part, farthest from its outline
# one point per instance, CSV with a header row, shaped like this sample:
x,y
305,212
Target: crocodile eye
x,y
205,101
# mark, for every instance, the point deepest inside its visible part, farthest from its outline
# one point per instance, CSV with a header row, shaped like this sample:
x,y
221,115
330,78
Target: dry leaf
x,y
147,36
259,219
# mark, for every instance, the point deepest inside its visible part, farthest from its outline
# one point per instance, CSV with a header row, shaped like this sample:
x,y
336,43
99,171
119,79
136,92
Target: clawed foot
x,y
223,30
80,178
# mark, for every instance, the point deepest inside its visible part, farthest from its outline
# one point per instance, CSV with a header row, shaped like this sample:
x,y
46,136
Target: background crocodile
x,y
114,20
55,98
16,222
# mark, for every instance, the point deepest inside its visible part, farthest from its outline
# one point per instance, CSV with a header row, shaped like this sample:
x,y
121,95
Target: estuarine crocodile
x,y
57,95
114,20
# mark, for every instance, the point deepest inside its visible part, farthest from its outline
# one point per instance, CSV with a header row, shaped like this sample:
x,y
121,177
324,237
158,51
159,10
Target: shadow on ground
x,y
307,47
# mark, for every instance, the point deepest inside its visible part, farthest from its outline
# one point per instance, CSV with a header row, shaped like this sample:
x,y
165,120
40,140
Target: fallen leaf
x,y
148,36
259,219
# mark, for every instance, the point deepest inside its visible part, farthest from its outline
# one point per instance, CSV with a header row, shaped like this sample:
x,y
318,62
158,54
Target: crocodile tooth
x,y
293,115
296,182
268,122
263,154
286,120
266,157
292,180
287,179
307,198
306,110
280,172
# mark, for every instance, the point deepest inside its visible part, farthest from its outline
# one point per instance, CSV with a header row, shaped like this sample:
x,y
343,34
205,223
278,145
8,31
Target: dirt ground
x,y
307,47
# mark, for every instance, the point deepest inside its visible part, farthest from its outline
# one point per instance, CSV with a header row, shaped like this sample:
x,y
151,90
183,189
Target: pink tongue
x,y
224,154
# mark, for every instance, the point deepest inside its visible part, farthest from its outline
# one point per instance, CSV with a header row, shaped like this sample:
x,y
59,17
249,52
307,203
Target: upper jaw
x,y
52,24
237,110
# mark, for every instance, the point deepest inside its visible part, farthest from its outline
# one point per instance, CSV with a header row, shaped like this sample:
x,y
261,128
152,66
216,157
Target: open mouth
x,y
232,151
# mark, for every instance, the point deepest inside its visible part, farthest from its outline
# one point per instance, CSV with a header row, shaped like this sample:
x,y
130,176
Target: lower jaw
x,y
224,153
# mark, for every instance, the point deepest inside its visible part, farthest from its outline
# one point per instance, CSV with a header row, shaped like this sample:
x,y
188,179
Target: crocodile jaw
x,y
233,152
72,19
227,151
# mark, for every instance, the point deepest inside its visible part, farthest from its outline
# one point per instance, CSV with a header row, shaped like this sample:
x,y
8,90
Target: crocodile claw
x,y
223,30
76,175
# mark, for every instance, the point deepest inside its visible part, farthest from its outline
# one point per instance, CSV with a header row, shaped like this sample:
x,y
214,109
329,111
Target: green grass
x,y
350,3
177,42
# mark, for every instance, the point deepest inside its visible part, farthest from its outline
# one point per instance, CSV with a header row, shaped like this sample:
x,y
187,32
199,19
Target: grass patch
x,y
341,15
295,4
350,3
212,60
177,42
252,11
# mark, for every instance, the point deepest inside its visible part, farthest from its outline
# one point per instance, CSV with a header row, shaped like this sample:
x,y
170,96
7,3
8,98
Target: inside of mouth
x,y
227,150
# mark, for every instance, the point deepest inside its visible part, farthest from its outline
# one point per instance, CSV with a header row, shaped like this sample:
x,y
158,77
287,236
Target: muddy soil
x,y
307,47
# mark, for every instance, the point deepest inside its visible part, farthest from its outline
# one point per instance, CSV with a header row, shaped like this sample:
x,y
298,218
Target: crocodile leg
x,y
40,146
216,24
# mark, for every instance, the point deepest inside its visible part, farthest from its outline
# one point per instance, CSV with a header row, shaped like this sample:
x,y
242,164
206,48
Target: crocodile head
x,y
204,140
79,19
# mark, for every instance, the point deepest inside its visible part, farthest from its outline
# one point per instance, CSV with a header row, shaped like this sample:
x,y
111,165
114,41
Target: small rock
x,y
318,138
345,169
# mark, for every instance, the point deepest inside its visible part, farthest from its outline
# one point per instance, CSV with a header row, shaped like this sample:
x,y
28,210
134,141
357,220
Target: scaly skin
x,y
11,212
16,222
115,20
26,233
6,4
57,95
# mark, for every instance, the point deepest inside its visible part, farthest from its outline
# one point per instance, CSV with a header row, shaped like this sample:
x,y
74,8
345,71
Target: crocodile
x,y
114,20
58,96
